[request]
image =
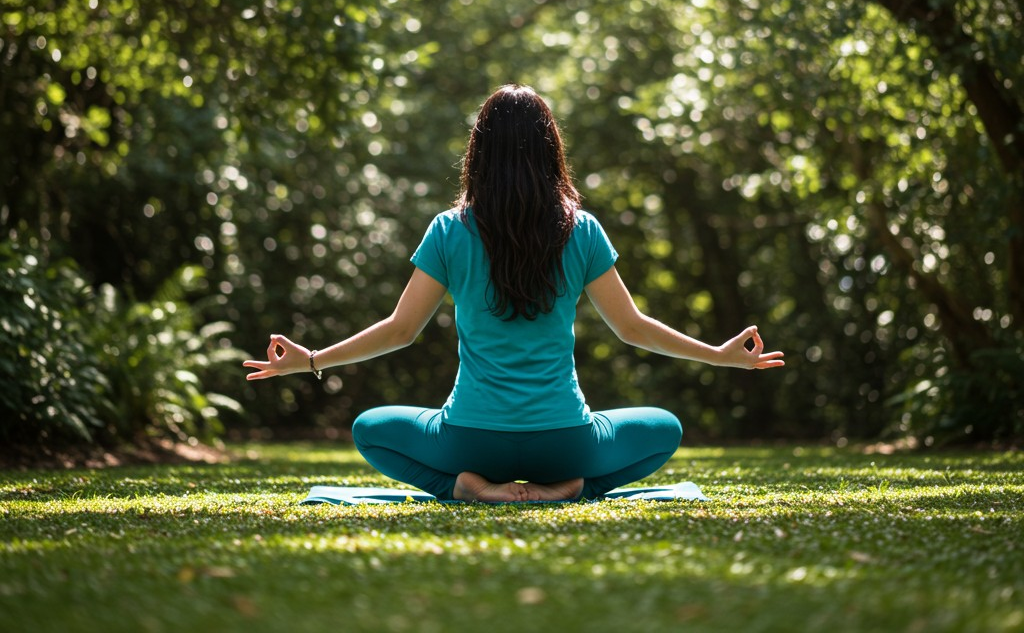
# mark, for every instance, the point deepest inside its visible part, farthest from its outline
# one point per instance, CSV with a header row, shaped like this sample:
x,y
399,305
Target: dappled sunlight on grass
x,y
792,538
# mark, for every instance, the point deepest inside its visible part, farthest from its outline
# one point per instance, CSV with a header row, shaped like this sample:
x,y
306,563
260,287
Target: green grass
x,y
793,539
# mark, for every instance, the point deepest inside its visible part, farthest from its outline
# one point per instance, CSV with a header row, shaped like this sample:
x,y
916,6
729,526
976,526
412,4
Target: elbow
x,y
632,331
401,334
626,335
406,341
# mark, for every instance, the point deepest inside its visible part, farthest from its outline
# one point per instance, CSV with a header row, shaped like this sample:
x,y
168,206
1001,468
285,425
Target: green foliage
x,y
826,171
52,387
87,368
961,405
792,539
158,363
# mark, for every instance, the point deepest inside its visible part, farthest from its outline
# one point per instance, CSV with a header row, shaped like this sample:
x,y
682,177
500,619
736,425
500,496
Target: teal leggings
x,y
413,445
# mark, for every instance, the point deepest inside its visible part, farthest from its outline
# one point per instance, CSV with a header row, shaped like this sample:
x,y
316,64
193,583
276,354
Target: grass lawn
x,y
793,539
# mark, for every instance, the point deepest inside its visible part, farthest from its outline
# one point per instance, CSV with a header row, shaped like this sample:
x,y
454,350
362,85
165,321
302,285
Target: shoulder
x,y
447,220
587,225
443,224
586,219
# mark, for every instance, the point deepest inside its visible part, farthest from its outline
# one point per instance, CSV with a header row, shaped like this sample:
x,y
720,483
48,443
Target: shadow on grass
x,y
825,457
240,478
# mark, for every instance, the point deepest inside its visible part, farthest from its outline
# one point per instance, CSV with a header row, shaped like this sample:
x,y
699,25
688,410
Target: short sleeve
x,y
602,255
429,256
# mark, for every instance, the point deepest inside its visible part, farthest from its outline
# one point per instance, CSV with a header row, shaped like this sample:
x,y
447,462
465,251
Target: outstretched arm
x,y
615,305
417,304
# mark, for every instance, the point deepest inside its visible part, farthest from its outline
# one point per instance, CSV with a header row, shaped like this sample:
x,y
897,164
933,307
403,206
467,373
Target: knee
x,y
359,430
383,426
364,425
673,428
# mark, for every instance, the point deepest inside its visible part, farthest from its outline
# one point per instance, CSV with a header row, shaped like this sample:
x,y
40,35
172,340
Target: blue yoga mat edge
x,y
346,495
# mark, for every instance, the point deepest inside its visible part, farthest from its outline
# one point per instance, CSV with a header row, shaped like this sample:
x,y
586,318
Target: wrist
x,y
319,373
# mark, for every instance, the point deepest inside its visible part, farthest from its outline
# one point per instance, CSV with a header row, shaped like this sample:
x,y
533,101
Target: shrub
x,y
983,403
155,360
52,388
85,367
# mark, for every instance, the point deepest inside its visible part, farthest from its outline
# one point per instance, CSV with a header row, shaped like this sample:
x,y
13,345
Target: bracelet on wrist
x,y
319,373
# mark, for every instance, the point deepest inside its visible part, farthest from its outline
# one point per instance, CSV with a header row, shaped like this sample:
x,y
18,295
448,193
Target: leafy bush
x,y
987,399
155,360
980,403
52,388
87,367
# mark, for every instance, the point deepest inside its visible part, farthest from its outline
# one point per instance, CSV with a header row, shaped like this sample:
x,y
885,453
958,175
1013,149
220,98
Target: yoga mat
x,y
344,495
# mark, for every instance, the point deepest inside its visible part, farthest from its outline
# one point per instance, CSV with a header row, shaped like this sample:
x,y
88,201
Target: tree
x,y
846,175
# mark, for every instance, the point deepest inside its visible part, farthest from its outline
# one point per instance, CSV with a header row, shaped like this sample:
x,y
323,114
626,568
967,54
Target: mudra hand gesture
x,y
283,357
735,353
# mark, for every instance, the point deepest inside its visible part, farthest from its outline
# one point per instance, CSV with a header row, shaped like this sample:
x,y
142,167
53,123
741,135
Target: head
x,y
516,182
515,145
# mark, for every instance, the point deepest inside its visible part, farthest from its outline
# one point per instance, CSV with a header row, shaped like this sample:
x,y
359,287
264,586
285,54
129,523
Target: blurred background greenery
x,y
179,179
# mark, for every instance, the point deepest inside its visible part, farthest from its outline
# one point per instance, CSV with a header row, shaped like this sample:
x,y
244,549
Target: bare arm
x,y
417,304
615,305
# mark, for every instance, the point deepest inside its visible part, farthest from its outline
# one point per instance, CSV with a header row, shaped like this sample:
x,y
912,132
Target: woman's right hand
x,y
734,352
283,357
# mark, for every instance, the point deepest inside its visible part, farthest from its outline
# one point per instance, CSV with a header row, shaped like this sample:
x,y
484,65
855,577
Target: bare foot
x,y
472,487
558,491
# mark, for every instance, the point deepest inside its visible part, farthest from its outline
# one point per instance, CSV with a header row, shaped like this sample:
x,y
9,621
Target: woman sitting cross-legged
x,y
516,253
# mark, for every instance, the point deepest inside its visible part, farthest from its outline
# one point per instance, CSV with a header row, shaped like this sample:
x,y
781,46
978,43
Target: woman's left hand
x,y
283,357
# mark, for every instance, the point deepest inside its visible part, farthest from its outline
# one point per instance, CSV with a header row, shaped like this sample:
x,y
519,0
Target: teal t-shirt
x,y
514,375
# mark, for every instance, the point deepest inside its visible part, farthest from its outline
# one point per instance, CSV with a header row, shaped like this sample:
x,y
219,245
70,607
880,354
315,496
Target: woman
x,y
515,253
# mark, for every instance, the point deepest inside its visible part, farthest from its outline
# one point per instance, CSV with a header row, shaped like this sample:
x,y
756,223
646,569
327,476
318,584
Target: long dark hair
x,y
515,180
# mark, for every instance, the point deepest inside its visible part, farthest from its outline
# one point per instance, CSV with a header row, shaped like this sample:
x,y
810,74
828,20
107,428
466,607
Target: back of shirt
x,y
517,375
